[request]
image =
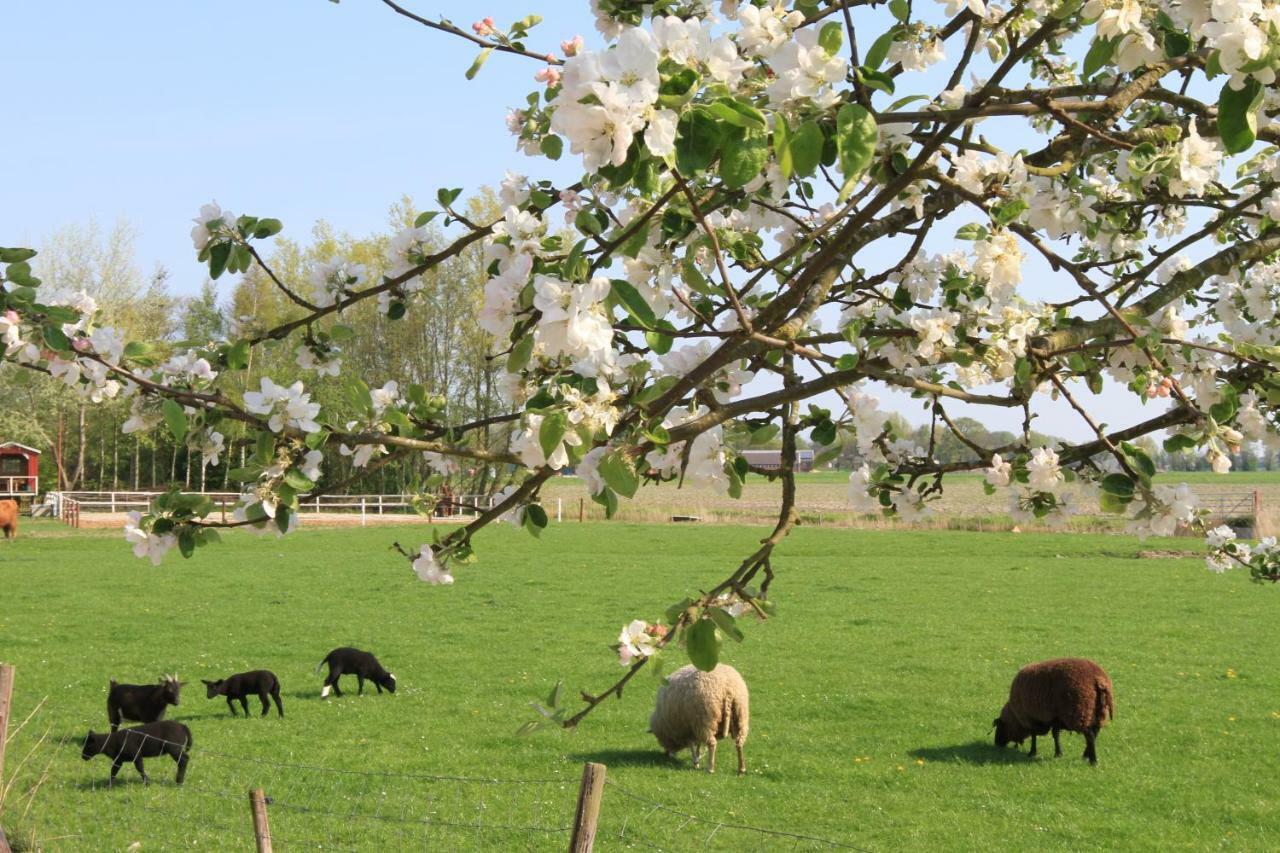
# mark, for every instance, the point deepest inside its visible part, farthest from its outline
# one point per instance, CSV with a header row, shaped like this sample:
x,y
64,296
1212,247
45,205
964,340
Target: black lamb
x,y
349,661
134,744
260,682
142,703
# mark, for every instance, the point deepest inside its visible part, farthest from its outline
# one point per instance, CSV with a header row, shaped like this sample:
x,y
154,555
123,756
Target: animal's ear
x,y
207,681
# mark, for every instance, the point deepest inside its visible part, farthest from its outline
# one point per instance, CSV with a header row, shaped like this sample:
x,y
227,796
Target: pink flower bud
x,y
549,75
81,344
572,46
483,28
11,316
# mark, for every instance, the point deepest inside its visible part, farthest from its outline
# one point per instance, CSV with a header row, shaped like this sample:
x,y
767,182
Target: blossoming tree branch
x,y
781,202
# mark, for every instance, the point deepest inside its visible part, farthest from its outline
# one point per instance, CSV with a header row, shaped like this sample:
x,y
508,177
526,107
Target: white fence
x,y
68,505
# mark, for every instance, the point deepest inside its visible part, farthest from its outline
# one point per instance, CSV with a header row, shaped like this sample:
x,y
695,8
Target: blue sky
x,y
297,109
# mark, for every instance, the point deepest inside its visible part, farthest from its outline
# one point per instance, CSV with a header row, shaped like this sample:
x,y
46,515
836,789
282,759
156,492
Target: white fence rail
x,y
19,484
68,505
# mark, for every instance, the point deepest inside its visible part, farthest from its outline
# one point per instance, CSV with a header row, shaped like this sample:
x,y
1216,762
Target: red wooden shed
x,y
19,470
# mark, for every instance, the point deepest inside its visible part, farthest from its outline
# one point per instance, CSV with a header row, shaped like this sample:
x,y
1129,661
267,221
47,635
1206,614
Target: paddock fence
x,y
52,800
364,509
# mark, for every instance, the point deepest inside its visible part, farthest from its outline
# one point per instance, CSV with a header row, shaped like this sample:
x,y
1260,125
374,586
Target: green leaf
x,y
764,435
678,88
824,433
1114,504
187,542
831,38
1238,115
1100,53
856,137
219,254
55,338
1118,484
1009,211
699,136
266,228
535,519
876,80
739,114
726,623
551,432
805,148
1178,442
237,355
15,256
520,354
552,146
419,221
176,418
587,222
972,231
658,342
479,62
879,50
743,159
900,9
848,361
634,304
619,474
703,642
298,481
264,450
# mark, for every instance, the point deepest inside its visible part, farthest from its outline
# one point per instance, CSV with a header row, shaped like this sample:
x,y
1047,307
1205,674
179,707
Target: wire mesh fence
x,y
63,790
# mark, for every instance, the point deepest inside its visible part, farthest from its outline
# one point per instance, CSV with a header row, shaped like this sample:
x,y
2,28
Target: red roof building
x,y
19,470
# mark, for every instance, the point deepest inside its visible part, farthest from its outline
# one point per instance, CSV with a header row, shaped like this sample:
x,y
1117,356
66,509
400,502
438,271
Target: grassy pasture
x,y
872,692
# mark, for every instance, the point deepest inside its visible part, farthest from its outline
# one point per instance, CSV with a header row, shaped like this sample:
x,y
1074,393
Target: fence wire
x,y
633,821
52,801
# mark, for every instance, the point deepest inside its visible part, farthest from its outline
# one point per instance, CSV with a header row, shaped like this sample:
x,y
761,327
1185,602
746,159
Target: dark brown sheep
x,y
1068,693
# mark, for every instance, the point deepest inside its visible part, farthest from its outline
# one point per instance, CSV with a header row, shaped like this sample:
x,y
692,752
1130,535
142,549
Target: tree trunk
x,y
81,451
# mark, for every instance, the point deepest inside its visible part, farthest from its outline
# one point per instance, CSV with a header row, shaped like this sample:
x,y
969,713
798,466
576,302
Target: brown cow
x,y
9,518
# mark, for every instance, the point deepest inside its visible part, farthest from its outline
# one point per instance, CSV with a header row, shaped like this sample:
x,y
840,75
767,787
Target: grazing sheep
x,y
261,682
696,708
362,665
1068,693
9,519
134,744
143,703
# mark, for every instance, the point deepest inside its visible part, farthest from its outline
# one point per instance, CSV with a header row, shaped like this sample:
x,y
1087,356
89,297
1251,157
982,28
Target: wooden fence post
x,y
261,829
589,796
6,702
582,509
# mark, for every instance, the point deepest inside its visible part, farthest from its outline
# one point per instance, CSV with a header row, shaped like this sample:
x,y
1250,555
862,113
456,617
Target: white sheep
x,y
696,708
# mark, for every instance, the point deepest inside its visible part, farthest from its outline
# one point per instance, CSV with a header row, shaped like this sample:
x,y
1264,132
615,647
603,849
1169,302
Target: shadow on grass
x,y
631,758
124,782
974,752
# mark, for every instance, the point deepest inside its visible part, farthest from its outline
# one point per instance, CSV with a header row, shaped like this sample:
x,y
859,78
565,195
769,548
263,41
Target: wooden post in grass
x,y
589,796
582,509
261,829
6,702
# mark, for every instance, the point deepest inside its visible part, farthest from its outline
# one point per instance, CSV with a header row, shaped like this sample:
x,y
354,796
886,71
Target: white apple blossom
x,y
635,642
1000,473
146,544
429,570
1044,472
212,223
287,408
859,481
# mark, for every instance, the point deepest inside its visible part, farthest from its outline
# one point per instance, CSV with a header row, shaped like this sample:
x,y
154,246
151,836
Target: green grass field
x,y
872,692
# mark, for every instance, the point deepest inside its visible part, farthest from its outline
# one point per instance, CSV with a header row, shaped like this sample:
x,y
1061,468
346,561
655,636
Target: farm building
x,y
19,470
773,459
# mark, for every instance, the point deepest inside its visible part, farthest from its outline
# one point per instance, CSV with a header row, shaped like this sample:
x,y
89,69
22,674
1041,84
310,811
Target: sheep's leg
x,y
697,755
115,768
275,694
1032,754
711,755
244,704
266,702
1090,751
182,766
113,714
137,762
231,705
1057,746
379,686
360,681
742,761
